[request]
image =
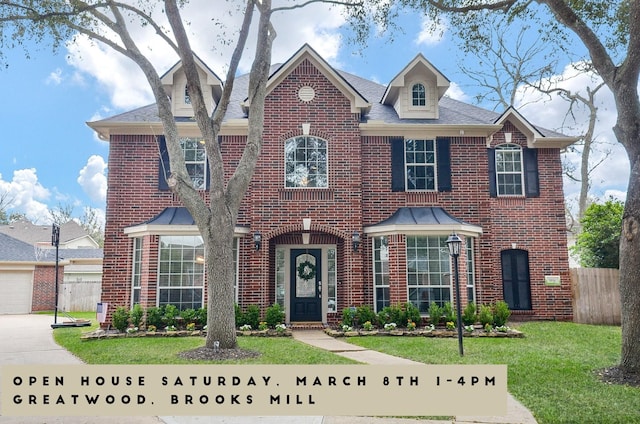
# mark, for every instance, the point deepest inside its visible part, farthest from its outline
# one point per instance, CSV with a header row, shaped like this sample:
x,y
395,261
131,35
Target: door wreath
x,y
306,270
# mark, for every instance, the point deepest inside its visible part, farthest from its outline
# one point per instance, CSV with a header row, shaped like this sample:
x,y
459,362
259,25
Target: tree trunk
x,y
629,277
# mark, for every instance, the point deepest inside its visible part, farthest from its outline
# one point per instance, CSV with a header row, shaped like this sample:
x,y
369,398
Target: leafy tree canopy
x,y
598,243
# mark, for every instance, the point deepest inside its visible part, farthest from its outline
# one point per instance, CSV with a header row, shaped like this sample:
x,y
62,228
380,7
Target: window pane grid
x,y
381,272
195,158
418,94
181,271
306,162
420,164
509,171
332,283
428,271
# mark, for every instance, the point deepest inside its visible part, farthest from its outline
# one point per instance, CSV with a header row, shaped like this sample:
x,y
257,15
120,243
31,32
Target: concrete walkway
x,y
28,339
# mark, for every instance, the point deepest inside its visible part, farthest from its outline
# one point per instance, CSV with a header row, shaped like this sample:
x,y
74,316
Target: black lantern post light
x,y
454,242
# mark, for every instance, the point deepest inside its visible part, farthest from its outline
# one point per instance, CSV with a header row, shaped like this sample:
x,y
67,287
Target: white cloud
x,y
550,112
127,87
26,195
431,33
455,92
93,179
55,77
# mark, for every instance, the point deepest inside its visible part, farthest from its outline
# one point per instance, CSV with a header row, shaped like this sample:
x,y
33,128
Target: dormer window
x,y
418,94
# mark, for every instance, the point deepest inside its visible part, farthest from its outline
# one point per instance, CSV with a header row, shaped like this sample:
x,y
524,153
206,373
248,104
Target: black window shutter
x,y
163,164
531,179
493,185
443,150
397,164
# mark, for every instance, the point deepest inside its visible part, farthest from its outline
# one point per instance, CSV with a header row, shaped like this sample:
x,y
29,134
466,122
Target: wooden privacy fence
x,y
79,296
596,295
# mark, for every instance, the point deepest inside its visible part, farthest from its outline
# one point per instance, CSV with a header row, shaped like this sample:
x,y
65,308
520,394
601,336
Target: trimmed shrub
x,y
171,312
364,313
449,313
384,316
201,316
398,315
189,316
252,316
274,315
120,318
501,313
411,313
435,313
240,318
154,317
348,315
136,315
469,314
485,315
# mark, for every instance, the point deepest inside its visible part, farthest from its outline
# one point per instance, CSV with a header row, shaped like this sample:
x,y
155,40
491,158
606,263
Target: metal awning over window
x,y
422,221
172,220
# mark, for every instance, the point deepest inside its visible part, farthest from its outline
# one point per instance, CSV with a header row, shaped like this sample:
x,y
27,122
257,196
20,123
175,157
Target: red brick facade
x,y
358,196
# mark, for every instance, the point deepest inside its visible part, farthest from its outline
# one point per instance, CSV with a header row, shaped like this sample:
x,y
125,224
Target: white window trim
x,y
435,166
510,147
328,173
449,286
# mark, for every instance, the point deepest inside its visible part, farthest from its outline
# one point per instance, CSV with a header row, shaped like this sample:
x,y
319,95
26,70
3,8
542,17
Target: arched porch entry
x,y
307,268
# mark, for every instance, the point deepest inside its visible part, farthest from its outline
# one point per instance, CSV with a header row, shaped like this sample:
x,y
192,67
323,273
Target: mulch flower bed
x,y
511,333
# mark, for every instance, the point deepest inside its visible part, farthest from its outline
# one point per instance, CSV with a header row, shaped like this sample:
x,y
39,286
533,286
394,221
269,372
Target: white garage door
x,y
15,292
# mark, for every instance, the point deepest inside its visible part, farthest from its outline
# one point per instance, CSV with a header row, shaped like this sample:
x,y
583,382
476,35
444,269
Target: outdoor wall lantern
x,y
257,240
355,240
454,242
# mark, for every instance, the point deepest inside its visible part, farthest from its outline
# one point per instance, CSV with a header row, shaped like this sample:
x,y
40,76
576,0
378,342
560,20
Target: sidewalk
x,y
28,339
516,412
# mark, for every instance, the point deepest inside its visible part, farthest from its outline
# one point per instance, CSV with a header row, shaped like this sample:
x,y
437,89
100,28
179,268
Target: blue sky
x,y
49,157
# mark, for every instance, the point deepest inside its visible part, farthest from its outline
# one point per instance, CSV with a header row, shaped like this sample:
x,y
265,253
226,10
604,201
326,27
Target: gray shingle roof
x,y
14,250
452,112
38,234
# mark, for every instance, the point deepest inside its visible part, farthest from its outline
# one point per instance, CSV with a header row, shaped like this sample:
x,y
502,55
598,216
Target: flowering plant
x,y
345,327
390,326
450,325
191,326
170,328
502,329
132,330
468,328
280,328
411,325
430,327
262,326
367,326
488,327
245,327
151,328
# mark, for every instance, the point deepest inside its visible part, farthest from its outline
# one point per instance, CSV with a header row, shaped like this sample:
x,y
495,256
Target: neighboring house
x,y
357,189
27,265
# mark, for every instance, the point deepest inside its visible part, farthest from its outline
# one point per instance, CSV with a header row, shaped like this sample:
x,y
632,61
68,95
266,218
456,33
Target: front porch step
x,y
307,325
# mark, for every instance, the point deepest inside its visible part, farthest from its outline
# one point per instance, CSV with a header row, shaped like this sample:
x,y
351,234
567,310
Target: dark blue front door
x,y
306,285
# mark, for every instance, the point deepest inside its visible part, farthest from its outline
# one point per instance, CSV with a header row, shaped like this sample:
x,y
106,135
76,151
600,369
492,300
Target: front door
x,y
516,284
306,285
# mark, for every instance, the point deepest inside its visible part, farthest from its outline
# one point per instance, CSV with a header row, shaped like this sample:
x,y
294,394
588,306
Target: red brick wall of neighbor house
x,y
44,278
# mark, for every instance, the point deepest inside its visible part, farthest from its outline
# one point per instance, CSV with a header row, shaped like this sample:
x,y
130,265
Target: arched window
x,y
306,162
418,95
509,170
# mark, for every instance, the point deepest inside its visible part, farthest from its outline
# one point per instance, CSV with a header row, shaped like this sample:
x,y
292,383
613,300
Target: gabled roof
x,y
14,250
359,104
398,82
535,137
41,234
212,79
423,220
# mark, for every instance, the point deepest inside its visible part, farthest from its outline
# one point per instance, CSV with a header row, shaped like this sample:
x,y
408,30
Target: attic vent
x,y
306,93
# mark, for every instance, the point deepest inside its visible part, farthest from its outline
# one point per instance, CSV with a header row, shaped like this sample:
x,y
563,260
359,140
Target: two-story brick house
x,y
357,189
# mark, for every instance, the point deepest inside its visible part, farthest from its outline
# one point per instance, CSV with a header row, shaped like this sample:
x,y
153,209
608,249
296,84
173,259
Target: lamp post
x,y
454,242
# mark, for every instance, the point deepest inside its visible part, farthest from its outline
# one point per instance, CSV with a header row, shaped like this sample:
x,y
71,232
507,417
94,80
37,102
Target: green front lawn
x,y
552,371
164,350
